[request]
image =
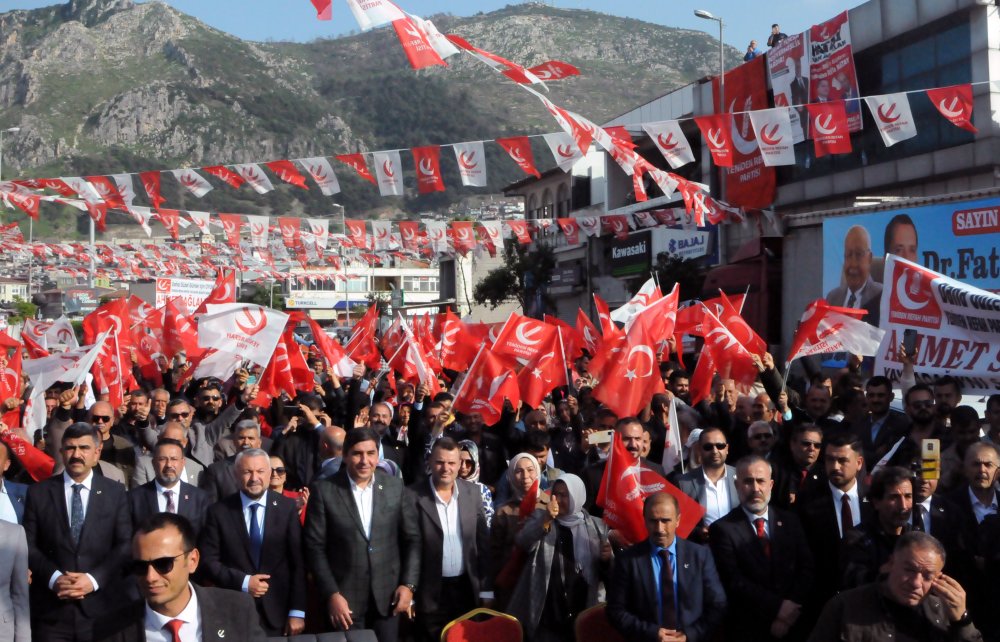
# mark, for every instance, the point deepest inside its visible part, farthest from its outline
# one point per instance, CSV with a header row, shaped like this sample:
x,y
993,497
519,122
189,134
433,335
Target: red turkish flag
x,y
700,386
732,359
543,373
458,343
356,233
571,228
522,337
358,164
428,162
589,336
277,377
285,170
570,341
227,175
489,382
113,363
10,372
629,381
232,224
416,44
520,230
829,128
738,326
519,150
170,220
717,130
409,231
626,484
465,240
955,104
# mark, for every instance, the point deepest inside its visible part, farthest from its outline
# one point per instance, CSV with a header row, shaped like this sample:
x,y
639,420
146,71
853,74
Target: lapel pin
x,y
221,633
185,498
687,565
274,503
380,486
779,523
98,492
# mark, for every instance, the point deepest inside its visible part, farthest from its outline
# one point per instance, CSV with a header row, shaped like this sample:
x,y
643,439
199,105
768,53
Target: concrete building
x,y
11,288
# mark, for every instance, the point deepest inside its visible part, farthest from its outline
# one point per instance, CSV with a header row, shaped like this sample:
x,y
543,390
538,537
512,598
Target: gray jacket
x,y
692,484
15,615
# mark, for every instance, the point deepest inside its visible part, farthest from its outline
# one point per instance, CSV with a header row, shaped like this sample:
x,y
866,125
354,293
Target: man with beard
x,y
136,418
218,480
713,484
631,431
801,472
919,406
679,384
167,493
762,558
947,396
867,548
211,420
883,426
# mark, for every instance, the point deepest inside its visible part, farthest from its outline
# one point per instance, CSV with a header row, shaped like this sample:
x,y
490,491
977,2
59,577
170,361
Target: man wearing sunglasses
x,y
172,608
212,418
190,473
78,529
116,450
713,484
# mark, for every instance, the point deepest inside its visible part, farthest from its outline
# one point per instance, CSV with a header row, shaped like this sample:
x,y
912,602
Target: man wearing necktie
x,y
167,493
78,528
763,560
859,290
665,588
252,542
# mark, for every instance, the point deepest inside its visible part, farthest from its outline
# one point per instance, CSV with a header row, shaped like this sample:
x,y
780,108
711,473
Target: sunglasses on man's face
x,y
178,415
100,419
716,446
162,565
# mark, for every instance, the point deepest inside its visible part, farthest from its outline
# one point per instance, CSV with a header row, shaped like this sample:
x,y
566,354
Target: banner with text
x,y
788,68
831,67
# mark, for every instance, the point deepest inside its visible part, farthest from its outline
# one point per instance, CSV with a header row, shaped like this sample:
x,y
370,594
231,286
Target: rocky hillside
x,y
107,86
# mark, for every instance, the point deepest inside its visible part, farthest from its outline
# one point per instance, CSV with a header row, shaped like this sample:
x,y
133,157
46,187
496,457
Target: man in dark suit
x,y
643,605
167,493
362,542
78,529
12,494
454,563
218,480
884,426
252,542
801,473
859,289
172,608
192,471
713,484
763,560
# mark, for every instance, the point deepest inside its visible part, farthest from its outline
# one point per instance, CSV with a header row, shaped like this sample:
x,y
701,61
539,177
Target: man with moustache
x,y
867,548
713,484
144,471
762,558
883,426
167,492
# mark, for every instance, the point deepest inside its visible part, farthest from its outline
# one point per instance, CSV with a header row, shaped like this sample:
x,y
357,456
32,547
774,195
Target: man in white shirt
x,y
167,492
713,484
454,564
172,609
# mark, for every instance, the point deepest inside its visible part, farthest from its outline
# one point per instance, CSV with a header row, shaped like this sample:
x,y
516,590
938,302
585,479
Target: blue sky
x,y
296,19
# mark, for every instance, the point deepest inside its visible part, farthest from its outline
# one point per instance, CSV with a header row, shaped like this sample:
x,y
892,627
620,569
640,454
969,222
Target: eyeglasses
x,y
279,470
762,436
466,462
178,415
162,565
100,419
211,398
805,443
709,447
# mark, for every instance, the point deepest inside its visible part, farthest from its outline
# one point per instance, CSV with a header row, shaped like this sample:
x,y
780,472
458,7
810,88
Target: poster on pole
x,y
832,75
788,69
192,291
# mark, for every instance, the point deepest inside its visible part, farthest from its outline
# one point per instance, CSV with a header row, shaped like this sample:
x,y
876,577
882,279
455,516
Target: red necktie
x,y
846,516
174,626
762,536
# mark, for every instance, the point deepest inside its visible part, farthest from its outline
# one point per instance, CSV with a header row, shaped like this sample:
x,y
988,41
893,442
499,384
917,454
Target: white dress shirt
x,y
161,499
716,498
857,294
980,509
753,521
85,500
926,514
451,528
247,502
190,631
7,512
363,500
852,496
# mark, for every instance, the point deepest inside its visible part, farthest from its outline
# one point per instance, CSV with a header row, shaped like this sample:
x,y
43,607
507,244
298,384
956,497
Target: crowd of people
x,y
360,505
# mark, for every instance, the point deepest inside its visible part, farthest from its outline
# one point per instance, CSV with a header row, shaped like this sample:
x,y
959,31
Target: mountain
x,y
110,86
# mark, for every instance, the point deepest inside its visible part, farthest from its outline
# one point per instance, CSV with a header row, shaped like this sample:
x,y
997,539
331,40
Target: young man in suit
x,y
252,542
884,426
713,484
15,625
12,494
164,558
763,559
167,493
643,604
454,564
362,542
78,529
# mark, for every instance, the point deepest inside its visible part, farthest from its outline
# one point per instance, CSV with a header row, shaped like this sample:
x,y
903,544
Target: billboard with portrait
x,y
957,239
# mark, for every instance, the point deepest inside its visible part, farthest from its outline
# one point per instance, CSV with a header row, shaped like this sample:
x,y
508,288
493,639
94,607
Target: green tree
x,y
22,310
259,294
523,277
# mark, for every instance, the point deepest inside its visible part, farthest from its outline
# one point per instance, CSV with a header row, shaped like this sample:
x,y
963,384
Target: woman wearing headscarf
x,y
522,474
468,470
568,557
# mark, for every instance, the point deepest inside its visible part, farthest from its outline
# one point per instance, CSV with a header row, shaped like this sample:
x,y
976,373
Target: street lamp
x,y
705,15
340,252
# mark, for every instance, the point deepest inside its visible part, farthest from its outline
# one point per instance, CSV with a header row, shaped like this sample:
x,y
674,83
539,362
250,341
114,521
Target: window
x,y
420,284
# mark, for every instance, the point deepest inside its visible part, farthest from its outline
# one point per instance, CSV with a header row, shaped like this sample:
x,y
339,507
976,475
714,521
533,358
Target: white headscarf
x,y
574,517
515,488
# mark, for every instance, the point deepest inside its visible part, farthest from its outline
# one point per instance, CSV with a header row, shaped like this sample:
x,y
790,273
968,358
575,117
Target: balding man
x,y
858,289
665,588
190,473
218,480
331,449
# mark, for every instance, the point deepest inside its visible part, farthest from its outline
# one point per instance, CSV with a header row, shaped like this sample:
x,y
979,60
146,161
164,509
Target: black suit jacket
x,y
225,554
475,541
218,481
755,583
102,551
896,425
632,604
225,616
343,560
819,522
300,452
191,502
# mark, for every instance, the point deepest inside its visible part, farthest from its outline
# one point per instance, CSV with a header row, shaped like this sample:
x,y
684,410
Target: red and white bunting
x,y
320,170
200,220
381,231
893,117
389,173
717,131
492,235
437,236
358,164
83,189
519,150
409,232
828,127
571,228
955,104
285,170
374,13
554,70
291,233
464,238
223,173
232,224
437,40
151,183
773,128
564,150
255,177
192,181
590,225
320,230
520,231
258,230
471,158
357,232
428,162
416,44
324,9
125,188
671,141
